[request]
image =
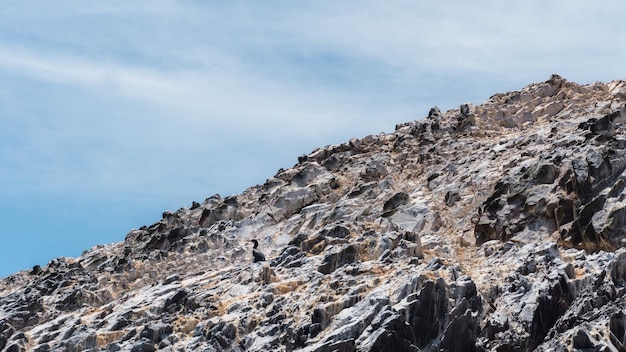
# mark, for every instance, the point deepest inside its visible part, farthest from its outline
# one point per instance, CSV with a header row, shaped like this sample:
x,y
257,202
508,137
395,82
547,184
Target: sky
x,y
112,112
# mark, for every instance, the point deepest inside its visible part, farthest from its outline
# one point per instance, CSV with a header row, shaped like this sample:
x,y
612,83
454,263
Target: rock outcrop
x,y
491,227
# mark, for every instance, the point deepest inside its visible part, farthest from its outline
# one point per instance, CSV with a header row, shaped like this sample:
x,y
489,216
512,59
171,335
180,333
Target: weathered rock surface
x,y
491,227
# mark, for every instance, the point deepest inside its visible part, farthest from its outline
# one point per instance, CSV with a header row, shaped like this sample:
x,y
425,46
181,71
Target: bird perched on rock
x,y
256,254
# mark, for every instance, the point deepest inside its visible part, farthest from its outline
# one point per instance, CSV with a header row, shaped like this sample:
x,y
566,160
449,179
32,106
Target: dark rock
x,y
465,119
42,348
83,339
464,109
434,264
315,244
143,345
290,257
130,334
332,163
602,128
581,340
6,331
177,301
221,340
156,332
434,112
556,81
309,172
231,201
315,329
461,333
388,332
618,268
36,270
614,225
452,196
71,300
334,260
565,211
427,311
297,240
16,348
396,201
465,290
433,176
223,210
374,172
177,233
545,173
337,232
320,317
114,347
341,346
617,325
230,331
551,306
120,324
171,279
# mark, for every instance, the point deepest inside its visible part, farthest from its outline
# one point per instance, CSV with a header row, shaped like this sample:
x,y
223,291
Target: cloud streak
x,y
271,73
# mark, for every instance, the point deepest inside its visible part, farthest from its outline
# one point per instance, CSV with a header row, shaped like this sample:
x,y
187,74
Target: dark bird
x,y
256,254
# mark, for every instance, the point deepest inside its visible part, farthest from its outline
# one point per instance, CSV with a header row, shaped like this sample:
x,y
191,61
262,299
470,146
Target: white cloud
x,y
203,77
489,37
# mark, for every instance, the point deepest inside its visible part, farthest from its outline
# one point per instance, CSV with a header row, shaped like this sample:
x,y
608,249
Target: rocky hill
x,y
496,227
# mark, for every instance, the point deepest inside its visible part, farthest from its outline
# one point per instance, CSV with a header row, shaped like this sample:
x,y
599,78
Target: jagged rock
x,y
426,311
490,227
156,332
389,331
6,330
144,345
335,259
396,201
462,332
452,196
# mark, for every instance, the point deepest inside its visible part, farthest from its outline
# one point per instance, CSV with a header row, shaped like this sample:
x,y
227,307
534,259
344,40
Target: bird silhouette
x,y
256,254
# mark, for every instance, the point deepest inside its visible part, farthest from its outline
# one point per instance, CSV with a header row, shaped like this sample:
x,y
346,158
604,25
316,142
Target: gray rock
x,y
143,345
389,331
336,259
491,227
426,311
395,201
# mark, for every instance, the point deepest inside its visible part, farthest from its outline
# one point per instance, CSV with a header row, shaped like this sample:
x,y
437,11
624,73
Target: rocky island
x,y
491,227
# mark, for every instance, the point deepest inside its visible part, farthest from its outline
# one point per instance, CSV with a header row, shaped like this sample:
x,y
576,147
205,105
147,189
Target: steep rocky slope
x,y
497,227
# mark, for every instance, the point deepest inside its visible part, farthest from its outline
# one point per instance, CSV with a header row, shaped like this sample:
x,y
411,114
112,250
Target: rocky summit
x,y
491,227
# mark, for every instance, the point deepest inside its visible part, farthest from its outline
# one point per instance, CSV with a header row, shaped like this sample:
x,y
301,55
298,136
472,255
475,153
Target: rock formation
x,y
492,227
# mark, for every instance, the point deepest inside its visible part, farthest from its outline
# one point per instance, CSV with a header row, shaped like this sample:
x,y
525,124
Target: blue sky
x,y
113,111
